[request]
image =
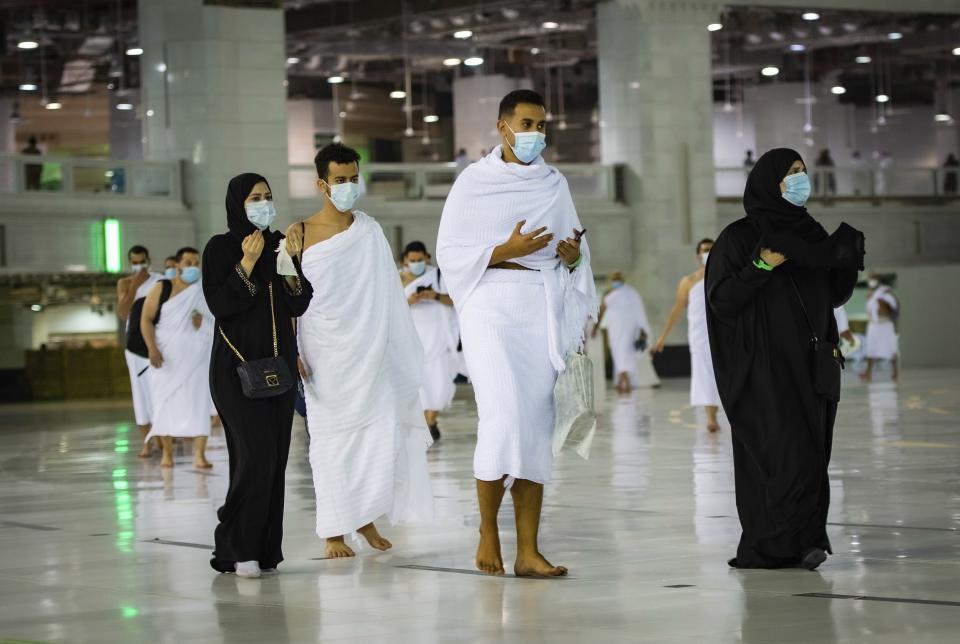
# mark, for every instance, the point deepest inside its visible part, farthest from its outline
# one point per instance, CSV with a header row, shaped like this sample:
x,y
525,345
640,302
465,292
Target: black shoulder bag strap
x,y
813,333
166,287
827,359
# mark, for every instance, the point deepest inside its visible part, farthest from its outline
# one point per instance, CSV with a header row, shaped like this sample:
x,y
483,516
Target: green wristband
x,y
762,265
576,263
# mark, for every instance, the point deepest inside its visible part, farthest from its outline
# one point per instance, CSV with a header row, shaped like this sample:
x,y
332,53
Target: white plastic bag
x,y
576,419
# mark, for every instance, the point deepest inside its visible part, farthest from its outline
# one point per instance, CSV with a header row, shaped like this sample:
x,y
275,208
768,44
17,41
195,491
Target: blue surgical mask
x,y
615,284
170,273
344,196
527,145
417,268
797,188
261,213
190,274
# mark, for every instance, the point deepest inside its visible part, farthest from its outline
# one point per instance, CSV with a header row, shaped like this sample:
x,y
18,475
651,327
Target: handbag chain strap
x,y
273,320
803,308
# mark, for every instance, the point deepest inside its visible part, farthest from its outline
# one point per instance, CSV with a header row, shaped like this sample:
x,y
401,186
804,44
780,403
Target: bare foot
x,y
203,464
166,462
369,532
537,566
146,452
713,427
489,558
337,549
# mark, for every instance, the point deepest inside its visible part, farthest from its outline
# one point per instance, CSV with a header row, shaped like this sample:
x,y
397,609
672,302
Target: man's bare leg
x,y
527,503
200,454
868,374
166,443
369,532
431,416
489,498
147,450
337,549
623,383
712,424
895,363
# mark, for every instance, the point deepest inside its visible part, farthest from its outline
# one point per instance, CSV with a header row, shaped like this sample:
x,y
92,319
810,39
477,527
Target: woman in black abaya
x,y
238,266
763,359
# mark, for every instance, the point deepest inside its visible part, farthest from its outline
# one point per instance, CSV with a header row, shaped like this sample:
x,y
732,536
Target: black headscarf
x,y
237,192
790,229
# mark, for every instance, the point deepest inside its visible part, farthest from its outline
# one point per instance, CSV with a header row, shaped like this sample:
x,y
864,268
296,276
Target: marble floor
x,y
96,546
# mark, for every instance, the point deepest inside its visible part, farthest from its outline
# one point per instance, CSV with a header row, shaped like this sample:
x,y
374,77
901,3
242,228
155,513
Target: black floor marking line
x,y
185,544
894,527
680,586
870,598
101,534
29,526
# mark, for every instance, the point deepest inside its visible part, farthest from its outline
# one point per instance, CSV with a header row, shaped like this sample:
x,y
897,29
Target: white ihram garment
x,y
139,367
516,326
439,334
180,388
843,322
703,382
626,318
882,342
368,439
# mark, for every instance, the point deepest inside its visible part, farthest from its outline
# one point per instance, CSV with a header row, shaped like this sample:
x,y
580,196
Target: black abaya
x,y
762,354
257,431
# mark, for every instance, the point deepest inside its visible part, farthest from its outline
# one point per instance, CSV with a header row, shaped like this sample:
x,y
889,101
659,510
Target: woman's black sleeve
x,y
297,299
842,283
732,280
226,287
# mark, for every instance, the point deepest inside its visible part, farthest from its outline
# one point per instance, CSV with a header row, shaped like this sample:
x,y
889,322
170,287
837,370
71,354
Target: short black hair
x,y
183,251
334,153
705,240
509,103
172,257
139,250
415,247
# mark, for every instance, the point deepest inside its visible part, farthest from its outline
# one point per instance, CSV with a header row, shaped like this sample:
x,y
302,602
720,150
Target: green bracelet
x,y
576,263
759,263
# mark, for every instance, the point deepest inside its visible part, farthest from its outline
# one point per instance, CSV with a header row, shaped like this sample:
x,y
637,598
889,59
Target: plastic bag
x,y
575,418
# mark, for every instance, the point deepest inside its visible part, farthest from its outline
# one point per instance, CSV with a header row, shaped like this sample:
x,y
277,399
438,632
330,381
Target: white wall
x,y
306,117
928,319
475,103
68,318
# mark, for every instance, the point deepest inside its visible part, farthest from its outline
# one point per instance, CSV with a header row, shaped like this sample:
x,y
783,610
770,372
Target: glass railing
x,y
35,174
410,181
890,182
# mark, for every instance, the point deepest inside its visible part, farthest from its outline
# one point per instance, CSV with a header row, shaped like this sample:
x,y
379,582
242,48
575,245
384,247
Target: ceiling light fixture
x,y
451,62
770,71
956,51
549,24
28,87
473,61
838,89
942,117
714,26
863,60
135,51
124,107
463,34
54,105
811,15
335,80
398,93
798,47
293,60
431,118
534,50
28,44
882,98
894,35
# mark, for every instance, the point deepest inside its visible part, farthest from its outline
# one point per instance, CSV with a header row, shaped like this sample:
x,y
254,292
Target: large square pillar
x,y
214,96
656,118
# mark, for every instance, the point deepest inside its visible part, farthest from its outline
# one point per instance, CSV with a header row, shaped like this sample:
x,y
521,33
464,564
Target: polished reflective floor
x,y
97,546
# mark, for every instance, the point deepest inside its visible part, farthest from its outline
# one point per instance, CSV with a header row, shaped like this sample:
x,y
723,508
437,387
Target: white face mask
x,y
417,268
344,196
261,213
136,268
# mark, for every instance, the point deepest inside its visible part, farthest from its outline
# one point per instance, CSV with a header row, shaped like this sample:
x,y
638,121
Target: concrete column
x,y
656,111
213,95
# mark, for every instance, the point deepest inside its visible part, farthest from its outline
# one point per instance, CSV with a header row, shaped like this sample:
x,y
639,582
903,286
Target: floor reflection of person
x,y
762,269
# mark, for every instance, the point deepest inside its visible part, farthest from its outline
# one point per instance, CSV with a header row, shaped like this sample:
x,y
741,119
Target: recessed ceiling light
x,y
398,93
714,26
942,117
54,105
776,35
463,34
135,51
956,51
863,60
882,98
293,60
162,67
343,115
28,44
335,80
28,87
894,35
124,106
811,15
770,71
451,62
798,47
150,112
431,118
838,89
549,24
534,50
473,61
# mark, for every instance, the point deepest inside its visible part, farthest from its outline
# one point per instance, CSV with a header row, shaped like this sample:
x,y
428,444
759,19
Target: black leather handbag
x,y
267,377
827,359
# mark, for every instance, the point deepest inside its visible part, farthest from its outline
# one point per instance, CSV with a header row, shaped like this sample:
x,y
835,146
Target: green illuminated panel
x,y
112,245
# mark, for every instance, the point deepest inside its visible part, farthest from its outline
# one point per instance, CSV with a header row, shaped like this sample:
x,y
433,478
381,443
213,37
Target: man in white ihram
x,y
882,343
362,366
627,330
523,301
